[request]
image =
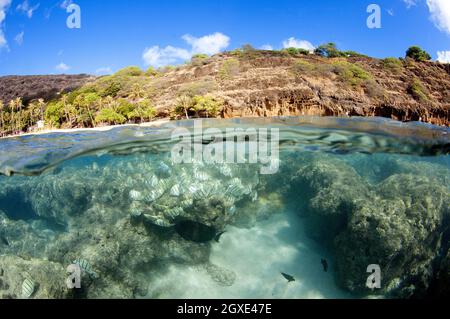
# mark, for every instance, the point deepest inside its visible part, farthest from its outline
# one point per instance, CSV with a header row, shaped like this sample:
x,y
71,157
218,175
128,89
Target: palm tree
x,y
18,106
12,108
184,103
64,100
41,105
137,92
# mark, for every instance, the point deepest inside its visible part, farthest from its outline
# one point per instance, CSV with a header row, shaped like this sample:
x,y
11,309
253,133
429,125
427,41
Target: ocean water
x,y
288,208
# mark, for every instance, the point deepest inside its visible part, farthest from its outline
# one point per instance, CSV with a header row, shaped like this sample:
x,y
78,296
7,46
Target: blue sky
x,y
34,37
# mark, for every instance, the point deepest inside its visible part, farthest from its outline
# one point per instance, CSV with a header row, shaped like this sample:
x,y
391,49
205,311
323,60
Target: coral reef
x,y
398,224
126,218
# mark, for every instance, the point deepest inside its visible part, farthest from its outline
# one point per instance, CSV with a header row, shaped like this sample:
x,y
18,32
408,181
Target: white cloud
x,y
299,44
4,5
157,56
62,67
209,44
19,38
104,71
27,9
440,14
267,47
443,56
391,12
410,3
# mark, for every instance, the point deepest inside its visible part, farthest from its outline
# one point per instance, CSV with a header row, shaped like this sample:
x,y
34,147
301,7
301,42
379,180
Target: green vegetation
x,y
418,91
296,51
130,71
197,106
109,116
417,54
350,73
229,69
197,88
152,72
330,50
128,95
392,64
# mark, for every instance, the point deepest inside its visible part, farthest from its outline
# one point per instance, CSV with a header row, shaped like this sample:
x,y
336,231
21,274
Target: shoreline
x,y
98,128
166,120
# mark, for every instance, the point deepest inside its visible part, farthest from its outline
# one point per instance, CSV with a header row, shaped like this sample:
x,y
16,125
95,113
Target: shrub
x,y
418,91
353,54
198,106
373,89
151,71
109,116
350,73
206,105
130,71
329,50
236,52
392,64
229,69
199,59
197,88
112,89
301,67
296,51
418,54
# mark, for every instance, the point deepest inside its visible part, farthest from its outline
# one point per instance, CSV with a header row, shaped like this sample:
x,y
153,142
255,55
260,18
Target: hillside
x,y
242,83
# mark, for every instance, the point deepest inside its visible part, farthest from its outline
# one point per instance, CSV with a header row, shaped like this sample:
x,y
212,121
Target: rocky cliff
x,y
273,83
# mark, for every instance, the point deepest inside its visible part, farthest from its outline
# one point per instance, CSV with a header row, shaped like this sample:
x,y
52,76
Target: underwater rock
x,y
401,231
326,191
220,275
195,232
163,170
34,278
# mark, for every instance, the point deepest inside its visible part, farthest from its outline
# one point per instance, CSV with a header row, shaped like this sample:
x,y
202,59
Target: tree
x,y
109,116
87,104
418,54
183,105
41,104
137,92
143,111
329,50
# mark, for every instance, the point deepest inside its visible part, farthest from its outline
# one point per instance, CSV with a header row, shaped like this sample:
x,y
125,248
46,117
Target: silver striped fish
x,y
28,288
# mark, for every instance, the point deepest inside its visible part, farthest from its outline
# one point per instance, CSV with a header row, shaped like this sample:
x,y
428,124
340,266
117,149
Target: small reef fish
x,y
4,240
289,278
86,266
217,238
325,265
28,288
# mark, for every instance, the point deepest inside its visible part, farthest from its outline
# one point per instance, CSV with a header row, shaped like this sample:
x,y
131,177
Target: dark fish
x,y
4,240
289,278
325,265
196,232
217,238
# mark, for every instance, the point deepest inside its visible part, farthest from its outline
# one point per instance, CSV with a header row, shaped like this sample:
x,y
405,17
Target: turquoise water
x,y
341,195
